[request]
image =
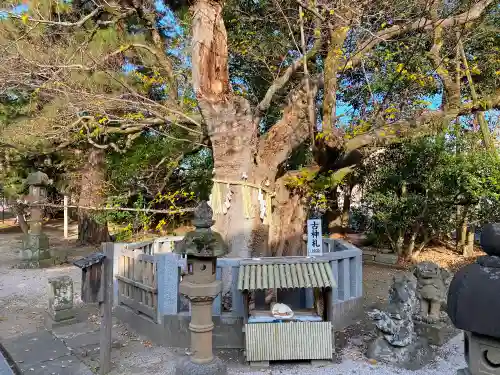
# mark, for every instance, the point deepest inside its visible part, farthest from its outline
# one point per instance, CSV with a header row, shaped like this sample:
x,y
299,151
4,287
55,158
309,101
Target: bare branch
x,y
61,23
310,9
8,145
149,18
280,82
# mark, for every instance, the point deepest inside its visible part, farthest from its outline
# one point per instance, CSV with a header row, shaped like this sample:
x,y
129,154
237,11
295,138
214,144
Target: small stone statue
x,y
397,341
432,288
396,323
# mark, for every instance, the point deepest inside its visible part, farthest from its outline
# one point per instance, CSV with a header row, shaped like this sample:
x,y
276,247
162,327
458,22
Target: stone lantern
x,y
35,252
200,286
474,306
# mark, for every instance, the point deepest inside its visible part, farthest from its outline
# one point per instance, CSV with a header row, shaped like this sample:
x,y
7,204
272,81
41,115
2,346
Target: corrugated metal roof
x,y
287,275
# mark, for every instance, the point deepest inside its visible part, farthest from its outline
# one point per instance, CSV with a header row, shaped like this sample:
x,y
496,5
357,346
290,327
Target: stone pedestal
x,y
482,354
60,310
202,361
187,367
411,357
201,287
35,252
436,333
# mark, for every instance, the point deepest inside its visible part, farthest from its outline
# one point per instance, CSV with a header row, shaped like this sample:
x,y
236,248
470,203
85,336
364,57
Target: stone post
x,y
201,287
35,252
60,310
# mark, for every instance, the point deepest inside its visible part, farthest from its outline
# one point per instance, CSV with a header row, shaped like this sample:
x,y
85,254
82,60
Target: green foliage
x,y
414,188
195,174
13,185
483,52
156,174
315,187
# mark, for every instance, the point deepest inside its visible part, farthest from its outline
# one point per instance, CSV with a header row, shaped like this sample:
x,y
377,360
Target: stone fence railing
x,y
171,325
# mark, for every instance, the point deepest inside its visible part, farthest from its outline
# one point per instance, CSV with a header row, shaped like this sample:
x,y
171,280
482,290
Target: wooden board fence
x,y
137,283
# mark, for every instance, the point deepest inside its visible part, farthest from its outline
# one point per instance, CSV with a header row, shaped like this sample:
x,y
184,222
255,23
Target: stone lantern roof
x,y
203,242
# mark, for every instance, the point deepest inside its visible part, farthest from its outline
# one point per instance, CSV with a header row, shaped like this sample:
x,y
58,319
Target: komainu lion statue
x,y
432,287
396,323
397,341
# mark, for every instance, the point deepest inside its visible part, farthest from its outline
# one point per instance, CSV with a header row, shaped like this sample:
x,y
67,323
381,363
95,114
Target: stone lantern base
x,y
186,367
482,354
35,251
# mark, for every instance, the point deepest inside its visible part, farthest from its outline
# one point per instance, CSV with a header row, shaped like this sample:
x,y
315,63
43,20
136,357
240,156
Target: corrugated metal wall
x,y
288,341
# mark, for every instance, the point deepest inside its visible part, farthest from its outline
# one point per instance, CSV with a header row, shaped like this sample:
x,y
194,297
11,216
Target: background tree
x,y
92,79
413,190
382,62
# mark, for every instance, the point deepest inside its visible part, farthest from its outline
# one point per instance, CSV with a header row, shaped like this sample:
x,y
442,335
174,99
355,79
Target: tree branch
x,y
61,23
8,145
159,51
419,125
421,24
310,9
283,80
451,96
288,133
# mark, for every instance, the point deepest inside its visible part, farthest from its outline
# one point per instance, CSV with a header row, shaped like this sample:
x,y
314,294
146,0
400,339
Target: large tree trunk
x,y
229,124
91,231
346,207
288,222
462,230
469,246
408,254
231,131
237,151
333,216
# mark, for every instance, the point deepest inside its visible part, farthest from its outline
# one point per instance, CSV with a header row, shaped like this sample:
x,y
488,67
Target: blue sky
x,y
16,10
344,111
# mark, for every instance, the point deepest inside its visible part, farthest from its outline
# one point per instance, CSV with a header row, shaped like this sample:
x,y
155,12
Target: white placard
x,y
314,237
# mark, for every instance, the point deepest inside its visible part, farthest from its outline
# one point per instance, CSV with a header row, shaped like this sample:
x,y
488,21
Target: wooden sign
x,y
314,238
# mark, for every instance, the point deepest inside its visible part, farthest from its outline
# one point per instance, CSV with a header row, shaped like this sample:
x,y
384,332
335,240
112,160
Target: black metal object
x,y
89,260
473,297
490,239
91,267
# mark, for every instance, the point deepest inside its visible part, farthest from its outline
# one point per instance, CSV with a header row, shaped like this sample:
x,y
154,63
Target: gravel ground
x,y
160,361
23,297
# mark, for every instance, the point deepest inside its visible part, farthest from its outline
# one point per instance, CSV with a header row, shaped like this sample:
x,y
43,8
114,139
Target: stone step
x,y
41,353
5,368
